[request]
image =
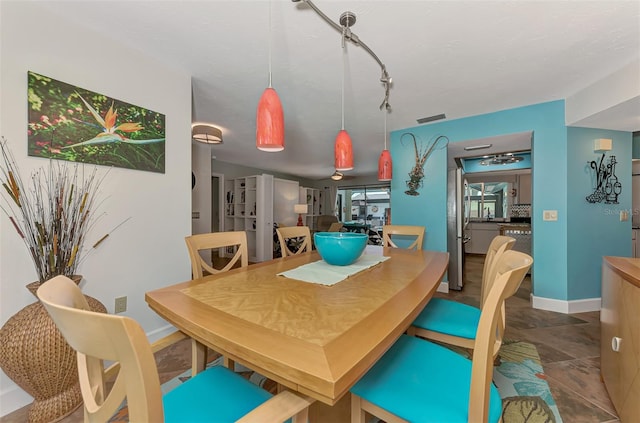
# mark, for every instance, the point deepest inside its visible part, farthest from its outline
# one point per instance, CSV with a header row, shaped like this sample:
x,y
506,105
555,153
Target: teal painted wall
x,y
549,175
428,209
594,229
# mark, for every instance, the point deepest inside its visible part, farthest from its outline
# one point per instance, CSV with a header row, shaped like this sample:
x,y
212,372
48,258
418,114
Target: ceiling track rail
x,y
347,19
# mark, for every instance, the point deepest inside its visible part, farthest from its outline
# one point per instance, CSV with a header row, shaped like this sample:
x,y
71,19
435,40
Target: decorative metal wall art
x,y
608,187
416,175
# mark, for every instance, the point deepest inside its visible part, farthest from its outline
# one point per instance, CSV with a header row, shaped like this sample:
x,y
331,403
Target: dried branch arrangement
x,y
416,175
52,214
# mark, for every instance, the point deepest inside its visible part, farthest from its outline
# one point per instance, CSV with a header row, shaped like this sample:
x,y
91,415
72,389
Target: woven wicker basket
x,y
36,357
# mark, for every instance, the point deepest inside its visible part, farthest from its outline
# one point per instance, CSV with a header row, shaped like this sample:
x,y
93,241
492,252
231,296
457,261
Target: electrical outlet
x,y
550,215
121,305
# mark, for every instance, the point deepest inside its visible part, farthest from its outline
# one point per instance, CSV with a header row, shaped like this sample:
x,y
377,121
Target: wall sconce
x,y
300,209
207,134
603,144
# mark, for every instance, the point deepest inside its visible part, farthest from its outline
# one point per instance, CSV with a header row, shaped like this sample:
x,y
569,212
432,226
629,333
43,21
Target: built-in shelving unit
x,y
313,198
249,208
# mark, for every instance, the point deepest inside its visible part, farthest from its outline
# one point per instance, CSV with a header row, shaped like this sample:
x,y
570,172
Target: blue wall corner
x,y
595,229
568,252
549,156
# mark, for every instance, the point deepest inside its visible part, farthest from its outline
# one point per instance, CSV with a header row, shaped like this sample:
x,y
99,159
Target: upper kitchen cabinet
x,y
523,184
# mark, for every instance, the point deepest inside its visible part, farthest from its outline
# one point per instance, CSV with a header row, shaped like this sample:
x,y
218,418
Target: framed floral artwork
x,y
74,124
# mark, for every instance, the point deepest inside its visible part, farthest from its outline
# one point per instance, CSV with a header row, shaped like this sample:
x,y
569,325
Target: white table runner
x,y
321,272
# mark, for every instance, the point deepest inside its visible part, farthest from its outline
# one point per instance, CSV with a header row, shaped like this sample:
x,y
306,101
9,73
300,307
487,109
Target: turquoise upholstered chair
x,y
214,395
420,381
456,323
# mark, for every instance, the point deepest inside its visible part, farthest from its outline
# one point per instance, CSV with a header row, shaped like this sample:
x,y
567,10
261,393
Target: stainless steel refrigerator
x,y
458,208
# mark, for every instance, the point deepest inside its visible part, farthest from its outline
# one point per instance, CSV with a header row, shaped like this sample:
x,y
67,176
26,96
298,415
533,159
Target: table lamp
x,y
300,209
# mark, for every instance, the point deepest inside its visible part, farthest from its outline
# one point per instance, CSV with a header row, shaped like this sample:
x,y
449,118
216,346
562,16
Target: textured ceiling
x,y
461,58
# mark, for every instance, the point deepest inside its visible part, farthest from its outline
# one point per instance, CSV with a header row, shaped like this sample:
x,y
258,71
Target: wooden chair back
x,y
510,269
97,337
211,241
289,232
499,244
405,231
335,227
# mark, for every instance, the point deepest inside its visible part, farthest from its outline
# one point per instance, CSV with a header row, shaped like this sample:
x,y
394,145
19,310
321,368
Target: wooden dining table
x,y
313,339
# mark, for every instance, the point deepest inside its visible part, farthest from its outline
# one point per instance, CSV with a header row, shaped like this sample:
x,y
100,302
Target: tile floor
x,y
569,346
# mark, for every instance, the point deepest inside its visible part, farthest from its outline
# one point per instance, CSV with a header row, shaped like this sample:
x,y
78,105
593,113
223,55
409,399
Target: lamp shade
x,y
343,151
207,134
300,208
270,122
603,144
385,167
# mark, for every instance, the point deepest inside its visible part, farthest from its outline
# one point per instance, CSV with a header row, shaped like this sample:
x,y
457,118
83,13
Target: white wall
x,y
201,193
148,251
286,194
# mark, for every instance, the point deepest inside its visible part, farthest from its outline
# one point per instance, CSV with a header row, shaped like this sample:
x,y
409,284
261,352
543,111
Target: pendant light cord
x,y
385,128
344,54
270,36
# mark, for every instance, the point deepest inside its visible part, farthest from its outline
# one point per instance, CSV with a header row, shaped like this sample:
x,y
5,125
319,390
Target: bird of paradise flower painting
x,y
75,124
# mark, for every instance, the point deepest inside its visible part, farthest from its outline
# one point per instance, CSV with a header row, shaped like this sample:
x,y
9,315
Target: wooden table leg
x,y
339,413
198,357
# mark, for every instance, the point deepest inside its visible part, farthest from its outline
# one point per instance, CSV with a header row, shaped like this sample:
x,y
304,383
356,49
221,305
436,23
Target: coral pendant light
x,y
343,149
385,166
270,117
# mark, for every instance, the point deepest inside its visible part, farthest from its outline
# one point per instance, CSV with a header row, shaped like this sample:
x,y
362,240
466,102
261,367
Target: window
x,y
370,204
488,200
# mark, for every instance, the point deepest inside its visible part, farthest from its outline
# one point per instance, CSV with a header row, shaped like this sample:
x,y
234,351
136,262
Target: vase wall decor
x,y
608,187
34,354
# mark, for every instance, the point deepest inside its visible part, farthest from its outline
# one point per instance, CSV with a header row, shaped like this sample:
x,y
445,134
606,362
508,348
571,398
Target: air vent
x,y
432,118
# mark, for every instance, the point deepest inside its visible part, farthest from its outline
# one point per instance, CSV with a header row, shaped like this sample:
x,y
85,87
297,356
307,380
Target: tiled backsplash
x,y
520,210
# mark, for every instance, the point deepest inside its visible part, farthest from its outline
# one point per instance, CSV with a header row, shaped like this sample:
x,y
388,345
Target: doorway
x,y
497,182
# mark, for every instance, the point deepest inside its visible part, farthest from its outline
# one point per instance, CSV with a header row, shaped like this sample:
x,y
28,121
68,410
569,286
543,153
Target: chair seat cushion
x,y
215,395
420,381
450,317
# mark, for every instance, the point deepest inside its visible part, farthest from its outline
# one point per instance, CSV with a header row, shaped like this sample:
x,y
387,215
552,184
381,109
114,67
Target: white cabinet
x,y
481,233
249,208
313,198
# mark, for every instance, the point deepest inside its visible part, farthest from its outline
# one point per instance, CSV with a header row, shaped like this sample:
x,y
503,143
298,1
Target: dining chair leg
x,y
358,415
198,357
229,363
301,417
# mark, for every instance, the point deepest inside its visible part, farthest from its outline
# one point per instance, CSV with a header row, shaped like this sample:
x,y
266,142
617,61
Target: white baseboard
x,y
566,307
154,335
14,397
444,287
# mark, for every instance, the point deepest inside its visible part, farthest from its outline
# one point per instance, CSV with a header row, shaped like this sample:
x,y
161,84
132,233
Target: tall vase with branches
x,y
52,212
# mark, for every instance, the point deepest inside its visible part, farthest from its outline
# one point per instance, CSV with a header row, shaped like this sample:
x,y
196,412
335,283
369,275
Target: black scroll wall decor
x,y
422,153
608,187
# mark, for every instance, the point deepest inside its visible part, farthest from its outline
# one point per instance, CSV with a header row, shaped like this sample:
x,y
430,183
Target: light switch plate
x,y
550,215
624,215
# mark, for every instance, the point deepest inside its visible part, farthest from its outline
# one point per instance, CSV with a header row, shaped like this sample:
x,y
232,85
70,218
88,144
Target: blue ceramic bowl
x,y
340,248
